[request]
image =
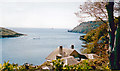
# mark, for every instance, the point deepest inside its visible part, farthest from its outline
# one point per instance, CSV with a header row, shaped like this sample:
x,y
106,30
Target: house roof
x,y
69,60
91,56
65,52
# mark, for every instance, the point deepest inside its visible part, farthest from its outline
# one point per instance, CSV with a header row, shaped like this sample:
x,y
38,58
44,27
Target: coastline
x,y
15,35
7,33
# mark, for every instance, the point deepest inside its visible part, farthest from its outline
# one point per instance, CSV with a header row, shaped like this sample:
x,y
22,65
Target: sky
x,y
39,14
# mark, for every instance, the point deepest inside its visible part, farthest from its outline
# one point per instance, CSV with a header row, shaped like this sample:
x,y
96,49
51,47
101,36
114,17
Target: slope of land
x,y
4,33
85,27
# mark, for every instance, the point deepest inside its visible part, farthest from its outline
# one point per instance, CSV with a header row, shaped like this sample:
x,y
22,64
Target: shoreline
x,y
15,35
7,33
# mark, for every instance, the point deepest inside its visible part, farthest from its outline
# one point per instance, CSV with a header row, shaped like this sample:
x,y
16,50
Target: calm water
x,y
27,49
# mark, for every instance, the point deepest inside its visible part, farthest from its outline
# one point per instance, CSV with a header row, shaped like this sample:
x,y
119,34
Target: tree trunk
x,y
117,48
110,10
114,38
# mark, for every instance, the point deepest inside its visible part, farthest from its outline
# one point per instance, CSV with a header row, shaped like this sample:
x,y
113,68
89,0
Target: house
x,y
69,56
69,60
61,52
48,65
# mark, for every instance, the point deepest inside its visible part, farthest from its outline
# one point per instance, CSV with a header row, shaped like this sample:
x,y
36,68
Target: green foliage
x,y
97,40
0,66
85,27
14,67
96,33
8,67
97,43
60,66
98,64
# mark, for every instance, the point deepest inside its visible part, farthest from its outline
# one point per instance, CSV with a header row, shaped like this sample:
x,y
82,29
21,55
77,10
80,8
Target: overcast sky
x,y
39,13
35,14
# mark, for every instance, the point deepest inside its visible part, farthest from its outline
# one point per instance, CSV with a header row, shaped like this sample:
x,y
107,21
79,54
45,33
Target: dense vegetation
x,y
96,39
58,65
97,42
105,10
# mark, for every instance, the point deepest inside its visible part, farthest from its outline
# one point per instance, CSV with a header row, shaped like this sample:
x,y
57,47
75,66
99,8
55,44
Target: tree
x,y
114,37
94,10
106,11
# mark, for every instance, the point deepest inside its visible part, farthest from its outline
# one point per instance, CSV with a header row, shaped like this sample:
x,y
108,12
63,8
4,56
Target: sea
x,y
36,45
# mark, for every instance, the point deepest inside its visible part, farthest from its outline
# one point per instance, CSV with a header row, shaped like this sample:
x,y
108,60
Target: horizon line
x,y
37,27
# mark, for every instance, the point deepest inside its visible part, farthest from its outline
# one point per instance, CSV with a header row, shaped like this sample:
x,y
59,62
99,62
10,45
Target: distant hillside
x,y
8,33
85,27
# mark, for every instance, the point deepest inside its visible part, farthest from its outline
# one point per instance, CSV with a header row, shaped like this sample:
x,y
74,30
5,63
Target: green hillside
x,y
8,33
85,27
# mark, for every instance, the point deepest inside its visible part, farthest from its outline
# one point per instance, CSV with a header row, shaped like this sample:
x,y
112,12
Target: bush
x,y
96,40
60,66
